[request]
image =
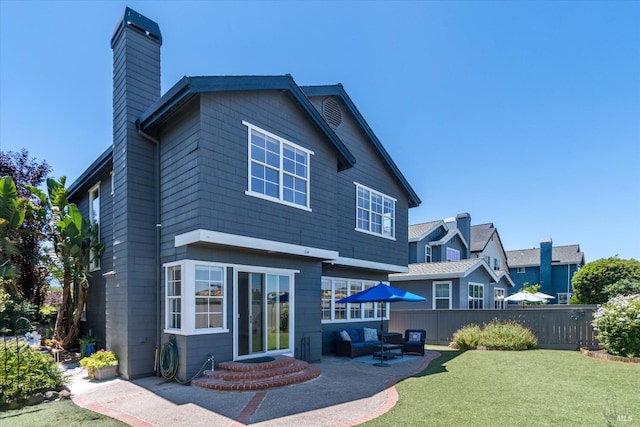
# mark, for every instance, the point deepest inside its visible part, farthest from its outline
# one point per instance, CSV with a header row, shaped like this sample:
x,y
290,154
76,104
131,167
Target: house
x,y
235,211
486,243
550,267
450,262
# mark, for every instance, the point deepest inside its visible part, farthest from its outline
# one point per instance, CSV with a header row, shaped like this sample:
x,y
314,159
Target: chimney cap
x,y
546,240
139,23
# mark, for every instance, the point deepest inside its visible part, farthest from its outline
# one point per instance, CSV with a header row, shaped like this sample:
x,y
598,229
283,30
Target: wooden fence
x,y
558,327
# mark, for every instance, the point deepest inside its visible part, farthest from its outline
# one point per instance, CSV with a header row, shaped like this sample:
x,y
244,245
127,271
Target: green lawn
x,y
517,388
61,413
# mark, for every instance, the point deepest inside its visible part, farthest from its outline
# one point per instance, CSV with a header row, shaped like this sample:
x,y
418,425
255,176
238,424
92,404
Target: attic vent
x,y
332,112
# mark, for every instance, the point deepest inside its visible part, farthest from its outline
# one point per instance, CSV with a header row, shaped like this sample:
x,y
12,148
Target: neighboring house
x,y
486,244
450,262
550,267
235,212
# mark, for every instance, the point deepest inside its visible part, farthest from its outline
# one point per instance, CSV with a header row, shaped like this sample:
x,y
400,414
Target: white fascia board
x,y
370,265
226,239
486,267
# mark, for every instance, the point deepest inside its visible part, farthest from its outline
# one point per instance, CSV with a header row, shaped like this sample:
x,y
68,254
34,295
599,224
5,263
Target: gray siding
x,y
370,170
96,293
131,296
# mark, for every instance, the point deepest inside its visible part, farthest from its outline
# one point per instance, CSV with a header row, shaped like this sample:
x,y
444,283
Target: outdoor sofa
x,y
354,342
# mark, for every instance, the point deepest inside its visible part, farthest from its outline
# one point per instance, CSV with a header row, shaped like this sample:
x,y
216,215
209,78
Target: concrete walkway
x,y
346,393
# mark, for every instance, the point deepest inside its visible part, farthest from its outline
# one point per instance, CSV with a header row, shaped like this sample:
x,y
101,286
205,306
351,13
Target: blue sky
x,y
523,114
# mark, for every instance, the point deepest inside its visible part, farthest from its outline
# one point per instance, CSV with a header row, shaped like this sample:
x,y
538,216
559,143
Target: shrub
x,y
622,287
467,338
497,335
617,323
26,371
508,336
590,281
99,360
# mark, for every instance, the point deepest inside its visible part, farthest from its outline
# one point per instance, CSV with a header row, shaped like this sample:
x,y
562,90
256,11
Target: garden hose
x,y
169,363
169,360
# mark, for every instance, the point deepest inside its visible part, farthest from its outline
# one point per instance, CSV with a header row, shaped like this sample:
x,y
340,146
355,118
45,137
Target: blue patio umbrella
x,y
382,293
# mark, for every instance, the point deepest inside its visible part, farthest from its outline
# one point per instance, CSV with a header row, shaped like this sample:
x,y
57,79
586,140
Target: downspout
x,y
158,230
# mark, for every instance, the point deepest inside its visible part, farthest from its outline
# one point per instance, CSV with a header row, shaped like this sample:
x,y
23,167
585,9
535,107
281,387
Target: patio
x,y
347,392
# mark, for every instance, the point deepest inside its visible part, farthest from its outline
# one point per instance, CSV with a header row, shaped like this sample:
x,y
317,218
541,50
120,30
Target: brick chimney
x,y
131,290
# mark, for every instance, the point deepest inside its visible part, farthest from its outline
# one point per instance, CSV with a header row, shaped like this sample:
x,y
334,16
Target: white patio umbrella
x,y
523,297
543,296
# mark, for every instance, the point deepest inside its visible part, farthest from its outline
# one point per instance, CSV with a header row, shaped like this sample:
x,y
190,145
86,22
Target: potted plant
x,y
88,345
101,365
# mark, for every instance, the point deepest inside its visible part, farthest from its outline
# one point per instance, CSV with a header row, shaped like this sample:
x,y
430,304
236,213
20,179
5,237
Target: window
x,y
174,295
375,212
442,295
334,289
476,296
496,264
94,218
195,297
521,269
498,298
453,254
427,253
278,169
564,297
487,259
209,296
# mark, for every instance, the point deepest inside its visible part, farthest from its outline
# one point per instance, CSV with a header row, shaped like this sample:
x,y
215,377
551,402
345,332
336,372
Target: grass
x,y
479,388
61,413
507,388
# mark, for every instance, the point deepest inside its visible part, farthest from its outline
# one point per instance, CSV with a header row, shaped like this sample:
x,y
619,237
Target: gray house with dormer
x,y
455,265
235,212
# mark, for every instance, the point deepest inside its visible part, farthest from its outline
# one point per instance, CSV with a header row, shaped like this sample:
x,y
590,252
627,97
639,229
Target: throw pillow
x,y
415,336
345,336
370,334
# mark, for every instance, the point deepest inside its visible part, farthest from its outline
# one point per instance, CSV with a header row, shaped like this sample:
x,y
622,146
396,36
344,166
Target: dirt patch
x,y
603,355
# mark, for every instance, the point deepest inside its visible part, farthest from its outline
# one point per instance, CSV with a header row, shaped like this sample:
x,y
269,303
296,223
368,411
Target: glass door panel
x,y
277,312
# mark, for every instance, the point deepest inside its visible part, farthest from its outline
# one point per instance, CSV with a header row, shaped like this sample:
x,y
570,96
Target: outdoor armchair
x,y
414,341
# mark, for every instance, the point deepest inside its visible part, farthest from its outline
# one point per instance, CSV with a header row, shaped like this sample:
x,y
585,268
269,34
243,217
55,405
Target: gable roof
x,y
338,90
480,236
188,87
447,237
503,276
443,270
569,254
419,231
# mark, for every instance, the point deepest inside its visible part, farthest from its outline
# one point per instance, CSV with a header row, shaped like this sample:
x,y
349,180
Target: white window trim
x,y
94,263
521,269
483,295
501,301
384,196
281,140
434,294
348,319
428,254
188,300
456,251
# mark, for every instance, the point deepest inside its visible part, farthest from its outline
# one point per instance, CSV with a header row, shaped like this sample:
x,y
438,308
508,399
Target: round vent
x,y
332,112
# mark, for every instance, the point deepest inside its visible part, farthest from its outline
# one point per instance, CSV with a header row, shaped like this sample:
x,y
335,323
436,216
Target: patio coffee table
x,y
387,352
